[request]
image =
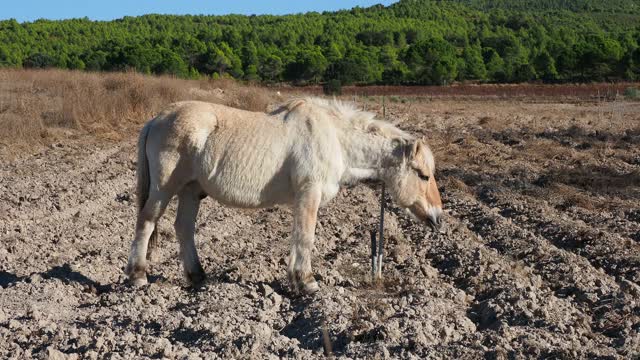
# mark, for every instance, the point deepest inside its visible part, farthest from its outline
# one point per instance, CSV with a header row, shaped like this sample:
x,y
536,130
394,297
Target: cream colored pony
x,y
299,155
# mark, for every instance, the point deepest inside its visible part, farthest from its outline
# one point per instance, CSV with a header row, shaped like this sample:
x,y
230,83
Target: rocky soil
x,y
540,257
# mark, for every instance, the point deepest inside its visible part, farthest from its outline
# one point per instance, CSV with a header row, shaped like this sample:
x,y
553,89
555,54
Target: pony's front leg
x,y
305,213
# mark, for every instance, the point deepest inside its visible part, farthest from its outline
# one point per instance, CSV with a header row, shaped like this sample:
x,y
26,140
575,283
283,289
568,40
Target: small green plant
x,y
332,87
632,93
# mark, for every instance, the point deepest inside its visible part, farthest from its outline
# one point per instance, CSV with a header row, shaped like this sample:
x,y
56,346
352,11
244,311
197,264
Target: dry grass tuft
x,y
547,150
567,196
41,106
485,120
455,184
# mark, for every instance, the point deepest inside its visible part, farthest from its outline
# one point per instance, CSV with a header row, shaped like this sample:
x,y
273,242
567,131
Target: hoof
x,y
310,288
303,283
138,281
137,275
197,278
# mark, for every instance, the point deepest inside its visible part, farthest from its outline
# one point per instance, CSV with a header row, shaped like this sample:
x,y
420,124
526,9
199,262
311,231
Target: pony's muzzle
x,y
435,218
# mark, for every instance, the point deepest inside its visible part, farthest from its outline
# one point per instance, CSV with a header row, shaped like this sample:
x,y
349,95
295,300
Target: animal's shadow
x,y
7,279
309,327
63,273
306,326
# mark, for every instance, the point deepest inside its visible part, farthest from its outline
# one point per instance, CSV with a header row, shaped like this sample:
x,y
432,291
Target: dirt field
x,y
540,257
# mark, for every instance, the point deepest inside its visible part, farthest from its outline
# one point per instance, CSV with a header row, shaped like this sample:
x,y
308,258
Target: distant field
x,y
43,106
540,91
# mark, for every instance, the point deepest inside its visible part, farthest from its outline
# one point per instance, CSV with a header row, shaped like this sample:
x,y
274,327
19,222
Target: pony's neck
x,y
366,156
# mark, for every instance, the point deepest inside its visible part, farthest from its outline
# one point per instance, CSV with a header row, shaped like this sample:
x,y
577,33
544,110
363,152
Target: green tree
x,y
271,68
171,63
598,56
8,57
433,62
251,73
250,60
524,73
495,66
39,60
333,53
635,65
357,66
309,65
545,66
473,67
95,60
235,68
76,63
395,75
214,61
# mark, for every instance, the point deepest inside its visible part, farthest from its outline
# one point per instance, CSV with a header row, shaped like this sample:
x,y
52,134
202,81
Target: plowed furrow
x,y
507,294
593,292
607,222
617,256
54,194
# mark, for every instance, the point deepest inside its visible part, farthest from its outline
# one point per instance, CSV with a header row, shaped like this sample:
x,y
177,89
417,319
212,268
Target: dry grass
x,y
567,196
42,106
544,150
454,184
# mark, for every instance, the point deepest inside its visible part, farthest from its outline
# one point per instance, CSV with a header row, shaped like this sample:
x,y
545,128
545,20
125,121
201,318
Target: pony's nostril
x,y
435,218
439,222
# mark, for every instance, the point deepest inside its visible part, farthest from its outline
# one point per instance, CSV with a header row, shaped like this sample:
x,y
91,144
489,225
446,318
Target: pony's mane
x,y
348,116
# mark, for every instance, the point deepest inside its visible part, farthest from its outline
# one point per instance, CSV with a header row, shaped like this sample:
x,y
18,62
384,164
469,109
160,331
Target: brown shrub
x,y
250,98
34,103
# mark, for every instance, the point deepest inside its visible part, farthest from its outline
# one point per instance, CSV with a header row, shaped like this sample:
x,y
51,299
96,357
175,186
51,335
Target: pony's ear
x,y
404,148
293,104
412,148
416,146
399,147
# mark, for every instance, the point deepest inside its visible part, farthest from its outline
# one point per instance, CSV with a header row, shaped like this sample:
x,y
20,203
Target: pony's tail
x,y
144,183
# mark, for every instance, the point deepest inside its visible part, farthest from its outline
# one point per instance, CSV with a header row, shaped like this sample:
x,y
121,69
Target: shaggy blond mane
x,y
348,116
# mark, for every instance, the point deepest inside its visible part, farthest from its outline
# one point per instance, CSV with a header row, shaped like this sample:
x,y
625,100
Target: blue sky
x,y
29,10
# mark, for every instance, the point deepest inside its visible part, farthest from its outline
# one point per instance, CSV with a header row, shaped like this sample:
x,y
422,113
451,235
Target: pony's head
x,y
412,183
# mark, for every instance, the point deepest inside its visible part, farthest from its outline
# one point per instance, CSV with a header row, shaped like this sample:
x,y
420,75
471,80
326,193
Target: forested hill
x,y
409,42
592,6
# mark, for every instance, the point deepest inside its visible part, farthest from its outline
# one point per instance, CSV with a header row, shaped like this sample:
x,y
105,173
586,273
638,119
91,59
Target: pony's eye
x,y
422,176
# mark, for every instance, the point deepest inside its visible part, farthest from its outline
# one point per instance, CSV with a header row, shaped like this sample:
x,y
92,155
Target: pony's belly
x,y
247,194
240,176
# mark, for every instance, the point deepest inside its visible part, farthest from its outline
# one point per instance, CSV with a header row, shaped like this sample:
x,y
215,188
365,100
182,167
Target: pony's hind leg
x,y
305,216
188,205
147,219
